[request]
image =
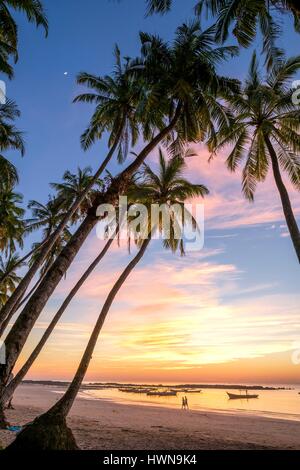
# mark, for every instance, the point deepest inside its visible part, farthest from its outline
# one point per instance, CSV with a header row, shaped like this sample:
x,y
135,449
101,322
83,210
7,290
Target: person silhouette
x,y
183,404
186,403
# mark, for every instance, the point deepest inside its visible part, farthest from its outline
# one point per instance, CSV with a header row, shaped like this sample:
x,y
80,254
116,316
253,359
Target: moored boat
x,y
167,393
235,396
135,390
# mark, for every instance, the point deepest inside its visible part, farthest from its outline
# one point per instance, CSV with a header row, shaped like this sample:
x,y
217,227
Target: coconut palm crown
x,y
47,217
34,11
115,97
183,77
244,18
170,189
265,133
11,278
10,139
72,187
12,226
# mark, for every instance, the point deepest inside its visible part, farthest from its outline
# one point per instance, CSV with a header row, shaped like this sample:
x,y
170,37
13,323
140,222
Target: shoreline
x,y
84,395
105,424
105,385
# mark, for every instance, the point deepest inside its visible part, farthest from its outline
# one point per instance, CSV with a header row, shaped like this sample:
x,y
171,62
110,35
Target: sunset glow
x,y
209,314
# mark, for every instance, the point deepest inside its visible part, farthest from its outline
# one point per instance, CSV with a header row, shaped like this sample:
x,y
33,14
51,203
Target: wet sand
x,y
103,424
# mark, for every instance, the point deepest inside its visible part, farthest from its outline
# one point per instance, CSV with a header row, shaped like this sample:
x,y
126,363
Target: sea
x,y
282,404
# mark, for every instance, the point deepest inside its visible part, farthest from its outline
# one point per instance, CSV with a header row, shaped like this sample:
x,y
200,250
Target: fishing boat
x,y
167,393
235,396
191,390
135,390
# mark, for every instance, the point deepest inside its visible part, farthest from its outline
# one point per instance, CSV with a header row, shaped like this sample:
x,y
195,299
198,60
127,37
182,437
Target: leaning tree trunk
x,y
5,323
285,200
17,336
9,390
22,260
50,431
16,297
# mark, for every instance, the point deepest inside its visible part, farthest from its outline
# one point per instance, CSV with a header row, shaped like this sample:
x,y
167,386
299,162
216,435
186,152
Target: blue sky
x,y
249,243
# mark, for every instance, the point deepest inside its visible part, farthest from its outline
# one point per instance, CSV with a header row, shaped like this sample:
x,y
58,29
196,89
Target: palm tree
x,y
51,257
6,397
11,281
46,217
9,175
121,102
10,139
245,17
116,98
184,89
34,11
163,6
72,187
168,187
51,214
266,133
12,225
184,77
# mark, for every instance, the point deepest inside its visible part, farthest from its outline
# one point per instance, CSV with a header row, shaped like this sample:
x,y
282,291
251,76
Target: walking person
x,y
186,403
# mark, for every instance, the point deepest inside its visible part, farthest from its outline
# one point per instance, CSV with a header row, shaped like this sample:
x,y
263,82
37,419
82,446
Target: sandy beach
x,y
103,424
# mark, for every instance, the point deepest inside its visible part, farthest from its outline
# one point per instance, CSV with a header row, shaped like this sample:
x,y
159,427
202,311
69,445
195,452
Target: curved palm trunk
x,y
285,200
18,334
36,285
14,383
21,289
5,323
21,261
42,433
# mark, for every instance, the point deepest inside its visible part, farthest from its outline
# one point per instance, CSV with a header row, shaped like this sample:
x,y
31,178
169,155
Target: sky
x,y
225,314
